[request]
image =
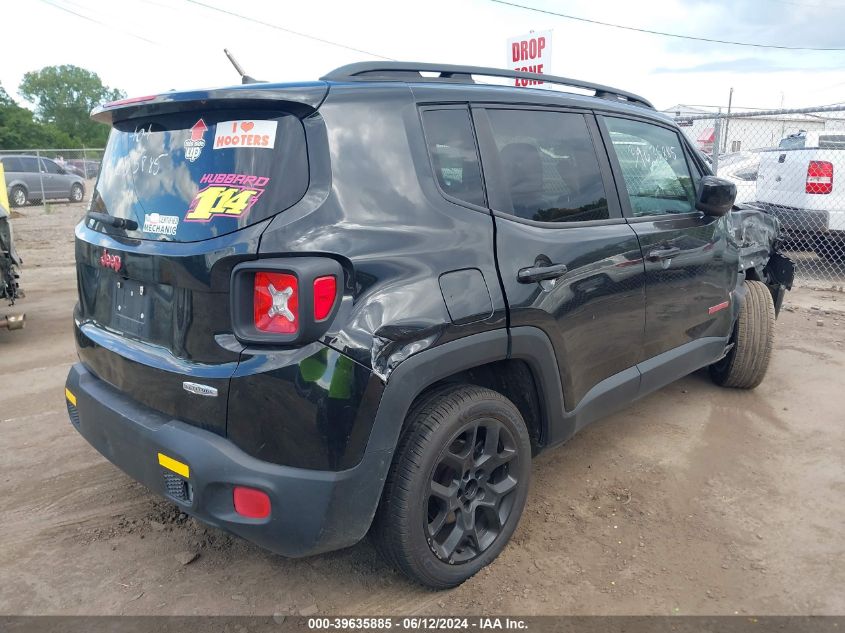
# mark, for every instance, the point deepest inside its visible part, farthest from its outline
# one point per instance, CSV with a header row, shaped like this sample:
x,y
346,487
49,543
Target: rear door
x,y
688,271
197,189
569,263
53,180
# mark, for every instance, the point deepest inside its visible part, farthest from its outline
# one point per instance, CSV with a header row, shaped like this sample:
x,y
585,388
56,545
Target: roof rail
x,y
412,72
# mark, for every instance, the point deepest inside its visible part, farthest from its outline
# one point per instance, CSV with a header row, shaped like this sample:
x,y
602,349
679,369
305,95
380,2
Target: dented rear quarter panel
x,y
379,213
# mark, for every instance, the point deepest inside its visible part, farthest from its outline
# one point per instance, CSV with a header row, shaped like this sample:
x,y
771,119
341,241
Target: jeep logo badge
x,y
200,390
109,260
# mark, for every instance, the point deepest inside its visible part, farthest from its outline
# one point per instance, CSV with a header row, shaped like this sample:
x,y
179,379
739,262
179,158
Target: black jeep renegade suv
x,y
309,311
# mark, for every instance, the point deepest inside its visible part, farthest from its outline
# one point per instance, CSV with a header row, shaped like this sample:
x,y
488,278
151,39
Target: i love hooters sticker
x,y
234,134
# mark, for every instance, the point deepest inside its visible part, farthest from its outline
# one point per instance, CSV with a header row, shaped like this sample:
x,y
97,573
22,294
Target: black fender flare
x,y
418,372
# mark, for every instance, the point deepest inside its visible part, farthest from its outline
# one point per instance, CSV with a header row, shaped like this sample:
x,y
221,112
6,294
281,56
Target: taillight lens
x,y
251,503
325,291
276,303
819,177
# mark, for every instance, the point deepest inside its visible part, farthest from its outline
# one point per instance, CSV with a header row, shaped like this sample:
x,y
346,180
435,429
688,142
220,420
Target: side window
x,y
550,164
29,164
11,163
50,167
451,146
654,168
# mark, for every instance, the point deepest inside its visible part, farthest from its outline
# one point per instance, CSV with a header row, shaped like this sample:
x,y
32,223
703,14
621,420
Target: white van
x,y
799,182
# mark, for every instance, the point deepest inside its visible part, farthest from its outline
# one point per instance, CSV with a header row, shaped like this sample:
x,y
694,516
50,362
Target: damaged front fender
x,y
756,235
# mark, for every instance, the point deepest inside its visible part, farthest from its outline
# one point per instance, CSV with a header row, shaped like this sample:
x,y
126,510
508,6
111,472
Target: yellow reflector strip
x,y
171,464
70,397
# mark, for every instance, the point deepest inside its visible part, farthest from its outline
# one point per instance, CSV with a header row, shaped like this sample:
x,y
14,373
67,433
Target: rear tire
x,y
17,197
456,488
745,365
76,193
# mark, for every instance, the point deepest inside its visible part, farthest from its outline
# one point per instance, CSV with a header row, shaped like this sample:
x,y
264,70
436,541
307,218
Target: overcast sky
x,y
149,46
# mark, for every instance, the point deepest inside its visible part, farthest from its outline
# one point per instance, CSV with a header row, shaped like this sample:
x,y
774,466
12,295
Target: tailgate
x,y
152,316
193,187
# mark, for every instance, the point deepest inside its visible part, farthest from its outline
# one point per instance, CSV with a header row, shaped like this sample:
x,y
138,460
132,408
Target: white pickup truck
x,y
802,182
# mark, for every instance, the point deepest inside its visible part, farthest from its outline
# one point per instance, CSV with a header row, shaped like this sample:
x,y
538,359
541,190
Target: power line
x,y
94,20
286,30
663,33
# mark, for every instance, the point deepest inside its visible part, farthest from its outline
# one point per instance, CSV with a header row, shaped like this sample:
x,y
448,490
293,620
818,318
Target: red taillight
x,y
325,291
819,177
251,503
276,303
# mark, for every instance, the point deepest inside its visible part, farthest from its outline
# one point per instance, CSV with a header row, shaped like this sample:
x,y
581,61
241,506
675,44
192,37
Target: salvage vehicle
x,y
362,304
796,183
10,263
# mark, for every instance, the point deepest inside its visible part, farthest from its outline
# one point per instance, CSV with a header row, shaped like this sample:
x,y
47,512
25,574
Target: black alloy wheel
x,y
471,491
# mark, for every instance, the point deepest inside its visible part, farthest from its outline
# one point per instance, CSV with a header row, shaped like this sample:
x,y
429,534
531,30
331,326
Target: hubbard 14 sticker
x,y
227,195
257,133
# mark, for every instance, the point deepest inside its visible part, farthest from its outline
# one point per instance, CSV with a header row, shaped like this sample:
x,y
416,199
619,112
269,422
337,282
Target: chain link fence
x,y
37,175
789,163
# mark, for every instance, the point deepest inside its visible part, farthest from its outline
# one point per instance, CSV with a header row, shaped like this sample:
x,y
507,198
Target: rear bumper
x,y
795,222
312,511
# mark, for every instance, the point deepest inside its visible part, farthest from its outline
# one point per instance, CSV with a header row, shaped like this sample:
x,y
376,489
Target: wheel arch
x,y
521,365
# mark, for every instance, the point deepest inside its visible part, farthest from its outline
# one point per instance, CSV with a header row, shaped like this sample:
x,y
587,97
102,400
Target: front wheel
x,y
76,193
746,363
457,486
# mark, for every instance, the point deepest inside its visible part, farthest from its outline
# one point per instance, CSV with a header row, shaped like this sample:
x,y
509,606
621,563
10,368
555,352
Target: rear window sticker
x,y
194,145
253,133
161,224
227,195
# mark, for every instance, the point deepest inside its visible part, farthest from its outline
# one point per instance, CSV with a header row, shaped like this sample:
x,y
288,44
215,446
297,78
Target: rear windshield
x,y
832,141
191,176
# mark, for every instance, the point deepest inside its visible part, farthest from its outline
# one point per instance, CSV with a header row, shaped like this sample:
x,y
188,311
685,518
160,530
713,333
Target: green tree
x,y
18,130
65,95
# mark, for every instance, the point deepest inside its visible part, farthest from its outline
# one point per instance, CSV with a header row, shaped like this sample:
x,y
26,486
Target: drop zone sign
x,y
531,53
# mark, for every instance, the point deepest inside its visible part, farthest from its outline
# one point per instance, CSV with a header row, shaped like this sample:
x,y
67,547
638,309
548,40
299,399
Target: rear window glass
x,y
551,165
192,176
451,146
832,141
12,163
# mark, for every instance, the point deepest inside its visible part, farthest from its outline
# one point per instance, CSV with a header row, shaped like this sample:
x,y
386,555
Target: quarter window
x,y
550,165
656,173
451,145
12,163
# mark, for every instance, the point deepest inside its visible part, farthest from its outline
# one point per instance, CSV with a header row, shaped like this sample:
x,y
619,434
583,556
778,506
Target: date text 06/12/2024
x,y
418,623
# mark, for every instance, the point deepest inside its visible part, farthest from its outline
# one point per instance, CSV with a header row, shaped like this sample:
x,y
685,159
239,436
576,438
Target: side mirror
x,y
716,196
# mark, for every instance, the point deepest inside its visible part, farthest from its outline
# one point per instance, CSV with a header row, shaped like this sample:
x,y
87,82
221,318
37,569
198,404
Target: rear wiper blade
x,y
110,220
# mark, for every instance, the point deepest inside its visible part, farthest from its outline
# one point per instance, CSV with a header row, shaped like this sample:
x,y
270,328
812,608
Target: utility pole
x,y
727,121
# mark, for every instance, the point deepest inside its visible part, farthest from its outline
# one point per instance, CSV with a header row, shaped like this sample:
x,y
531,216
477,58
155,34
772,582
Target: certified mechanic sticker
x,y
253,133
226,195
161,224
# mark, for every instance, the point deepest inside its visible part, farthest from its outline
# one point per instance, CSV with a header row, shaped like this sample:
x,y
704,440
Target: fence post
x,y
717,139
41,178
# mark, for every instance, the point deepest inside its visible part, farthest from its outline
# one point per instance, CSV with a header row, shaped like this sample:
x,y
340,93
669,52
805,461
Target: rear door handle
x,y
541,273
663,253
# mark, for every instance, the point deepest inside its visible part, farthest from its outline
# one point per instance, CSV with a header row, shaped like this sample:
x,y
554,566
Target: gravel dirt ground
x,y
695,500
